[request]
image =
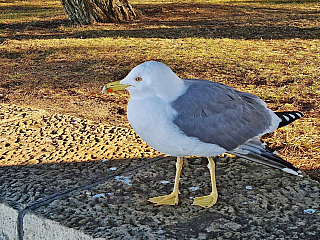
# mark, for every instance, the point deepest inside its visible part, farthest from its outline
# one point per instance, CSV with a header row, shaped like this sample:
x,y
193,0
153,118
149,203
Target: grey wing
x,y
218,114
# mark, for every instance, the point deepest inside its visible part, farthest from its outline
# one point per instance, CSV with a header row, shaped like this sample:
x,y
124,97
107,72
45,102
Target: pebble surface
x,y
43,154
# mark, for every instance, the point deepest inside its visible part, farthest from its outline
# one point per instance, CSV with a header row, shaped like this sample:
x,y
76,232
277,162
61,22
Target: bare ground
x,y
97,178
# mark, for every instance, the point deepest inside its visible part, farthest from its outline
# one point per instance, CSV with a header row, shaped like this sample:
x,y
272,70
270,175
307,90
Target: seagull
x,y
195,117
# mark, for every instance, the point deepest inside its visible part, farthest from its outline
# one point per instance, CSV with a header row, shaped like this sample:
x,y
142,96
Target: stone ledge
x,y
35,227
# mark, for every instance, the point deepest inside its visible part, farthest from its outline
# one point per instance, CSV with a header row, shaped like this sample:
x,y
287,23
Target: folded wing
x,y
218,114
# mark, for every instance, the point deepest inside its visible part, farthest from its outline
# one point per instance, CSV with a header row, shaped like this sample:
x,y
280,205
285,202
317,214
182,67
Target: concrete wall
x,y
35,228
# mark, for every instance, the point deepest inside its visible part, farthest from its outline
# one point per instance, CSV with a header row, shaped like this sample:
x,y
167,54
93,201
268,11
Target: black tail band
x,y
288,117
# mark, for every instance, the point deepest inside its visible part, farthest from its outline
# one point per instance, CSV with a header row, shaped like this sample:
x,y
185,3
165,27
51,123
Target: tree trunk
x,y
87,11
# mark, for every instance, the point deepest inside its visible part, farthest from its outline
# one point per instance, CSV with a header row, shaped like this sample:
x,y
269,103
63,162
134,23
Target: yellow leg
x,y
210,200
172,198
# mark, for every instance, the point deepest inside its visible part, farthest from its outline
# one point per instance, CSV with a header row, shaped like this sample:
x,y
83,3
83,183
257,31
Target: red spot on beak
x,y
110,90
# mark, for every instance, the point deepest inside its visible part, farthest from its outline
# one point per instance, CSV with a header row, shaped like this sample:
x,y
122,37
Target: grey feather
x,y
218,114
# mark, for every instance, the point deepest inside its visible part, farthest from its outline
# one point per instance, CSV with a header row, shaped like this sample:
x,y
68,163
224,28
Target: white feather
x,y
293,116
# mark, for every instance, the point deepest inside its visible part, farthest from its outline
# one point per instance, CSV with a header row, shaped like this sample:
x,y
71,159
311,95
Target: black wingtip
x,y
275,162
288,117
257,151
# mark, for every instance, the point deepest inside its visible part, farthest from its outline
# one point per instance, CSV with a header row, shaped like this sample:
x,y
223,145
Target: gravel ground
x,y
97,178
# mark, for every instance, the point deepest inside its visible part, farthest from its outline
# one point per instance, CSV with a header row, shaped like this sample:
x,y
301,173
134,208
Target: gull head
x,y
150,79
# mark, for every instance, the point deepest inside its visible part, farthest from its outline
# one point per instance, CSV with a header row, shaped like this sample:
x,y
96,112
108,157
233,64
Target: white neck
x,y
176,89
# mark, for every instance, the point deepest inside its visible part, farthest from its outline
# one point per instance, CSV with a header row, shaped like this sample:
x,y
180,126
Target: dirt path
x,y
31,136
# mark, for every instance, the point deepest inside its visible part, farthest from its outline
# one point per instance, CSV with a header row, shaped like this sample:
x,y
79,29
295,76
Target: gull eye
x,y
138,79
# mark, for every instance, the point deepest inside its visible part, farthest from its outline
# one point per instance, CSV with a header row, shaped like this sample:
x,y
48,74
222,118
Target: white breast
x,y
151,118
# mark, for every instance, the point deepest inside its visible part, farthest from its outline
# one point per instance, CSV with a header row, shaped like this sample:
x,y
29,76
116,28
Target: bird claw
x,y
206,201
170,199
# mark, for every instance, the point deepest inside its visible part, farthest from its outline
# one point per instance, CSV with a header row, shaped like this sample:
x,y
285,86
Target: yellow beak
x,y
114,86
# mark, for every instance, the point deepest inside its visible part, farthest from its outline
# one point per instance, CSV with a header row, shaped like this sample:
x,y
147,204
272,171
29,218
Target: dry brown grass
x,y
269,48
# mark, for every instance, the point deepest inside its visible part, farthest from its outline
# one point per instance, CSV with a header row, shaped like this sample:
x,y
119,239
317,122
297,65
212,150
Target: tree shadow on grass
x,y
187,20
282,1
256,32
